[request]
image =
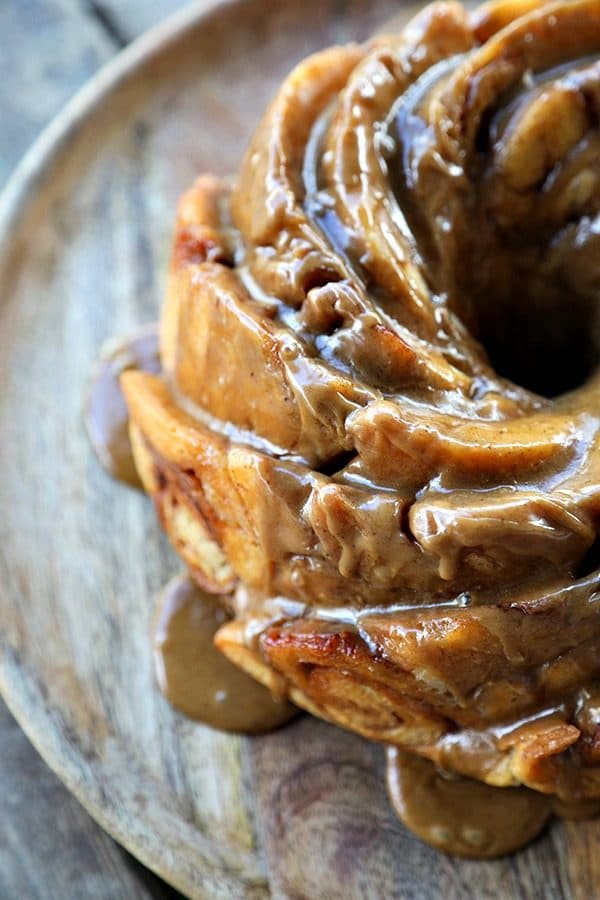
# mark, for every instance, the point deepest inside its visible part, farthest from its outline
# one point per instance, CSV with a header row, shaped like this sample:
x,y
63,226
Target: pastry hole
x,y
590,562
550,356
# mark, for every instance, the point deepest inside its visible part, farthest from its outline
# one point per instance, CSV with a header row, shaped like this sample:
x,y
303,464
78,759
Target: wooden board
x,y
84,238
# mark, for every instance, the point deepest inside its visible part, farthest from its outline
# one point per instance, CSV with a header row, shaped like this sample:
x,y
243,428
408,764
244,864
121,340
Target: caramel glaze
x,y
459,815
106,415
196,678
469,818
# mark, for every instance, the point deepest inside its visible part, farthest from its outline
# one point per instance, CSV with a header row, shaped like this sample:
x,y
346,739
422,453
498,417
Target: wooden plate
x,y
84,236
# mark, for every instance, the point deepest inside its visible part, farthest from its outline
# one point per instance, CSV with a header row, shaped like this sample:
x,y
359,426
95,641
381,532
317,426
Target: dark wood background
x,y
50,849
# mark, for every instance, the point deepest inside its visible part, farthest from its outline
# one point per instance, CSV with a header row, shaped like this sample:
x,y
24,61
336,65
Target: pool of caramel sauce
x,y
465,817
462,816
106,416
196,678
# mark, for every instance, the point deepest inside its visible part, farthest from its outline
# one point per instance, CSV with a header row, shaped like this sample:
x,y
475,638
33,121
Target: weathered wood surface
x,y
52,47
126,20
298,814
50,849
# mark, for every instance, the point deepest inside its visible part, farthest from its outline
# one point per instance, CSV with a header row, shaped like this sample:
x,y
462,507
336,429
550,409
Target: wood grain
x,y
128,20
35,79
84,236
49,848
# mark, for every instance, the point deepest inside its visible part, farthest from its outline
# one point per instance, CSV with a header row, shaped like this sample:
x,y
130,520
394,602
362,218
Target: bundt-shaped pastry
x,y
376,430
